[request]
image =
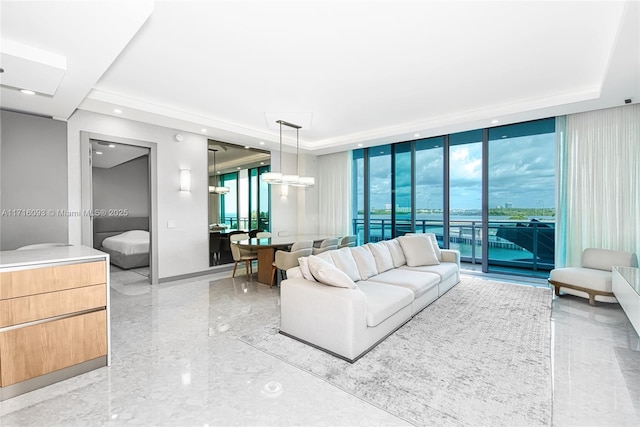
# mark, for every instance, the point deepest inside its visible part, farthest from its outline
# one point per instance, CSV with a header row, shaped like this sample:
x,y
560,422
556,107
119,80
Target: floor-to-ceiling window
x,y
429,186
521,195
380,208
465,194
402,189
488,193
358,191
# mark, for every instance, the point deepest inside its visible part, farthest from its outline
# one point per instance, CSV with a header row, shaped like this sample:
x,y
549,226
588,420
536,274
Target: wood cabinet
x,y
53,316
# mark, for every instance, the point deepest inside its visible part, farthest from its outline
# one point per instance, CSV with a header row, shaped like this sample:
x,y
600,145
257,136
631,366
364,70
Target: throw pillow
x,y
329,274
343,259
304,268
434,243
418,250
365,262
396,252
381,254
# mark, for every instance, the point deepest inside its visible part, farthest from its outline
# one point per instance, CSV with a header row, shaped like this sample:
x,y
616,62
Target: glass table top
x,y
631,275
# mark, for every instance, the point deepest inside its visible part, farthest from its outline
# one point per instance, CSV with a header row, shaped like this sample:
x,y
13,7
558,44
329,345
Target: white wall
x,y
185,248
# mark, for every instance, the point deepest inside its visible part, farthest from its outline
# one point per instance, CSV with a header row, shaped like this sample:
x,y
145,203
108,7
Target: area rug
x,y
480,356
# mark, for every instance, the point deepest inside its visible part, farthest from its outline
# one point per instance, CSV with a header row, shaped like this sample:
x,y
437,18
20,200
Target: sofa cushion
x,y
434,244
418,282
584,277
329,274
365,261
418,250
326,256
396,252
303,263
382,256
383,301
444,269
343,259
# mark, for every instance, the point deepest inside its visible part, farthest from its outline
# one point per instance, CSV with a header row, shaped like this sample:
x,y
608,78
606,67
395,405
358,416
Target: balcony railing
x,y
521,244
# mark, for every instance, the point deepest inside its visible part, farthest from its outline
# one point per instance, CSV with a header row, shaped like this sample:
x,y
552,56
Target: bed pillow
x,y
381,254
418,250
303,262
343,259
396,252
365,262
329,274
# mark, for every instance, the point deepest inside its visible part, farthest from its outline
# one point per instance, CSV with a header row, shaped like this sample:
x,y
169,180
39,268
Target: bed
x,y
125,239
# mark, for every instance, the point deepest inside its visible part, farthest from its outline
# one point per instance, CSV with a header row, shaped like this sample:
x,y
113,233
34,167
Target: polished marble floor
x,y
176,361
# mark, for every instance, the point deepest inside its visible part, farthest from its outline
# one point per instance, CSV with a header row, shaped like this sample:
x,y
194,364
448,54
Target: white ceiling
x,y
106,154
348,71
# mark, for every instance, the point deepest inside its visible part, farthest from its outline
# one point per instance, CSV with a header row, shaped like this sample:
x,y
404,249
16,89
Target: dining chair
x,y
347,241
263,235
285,260
303,244
242,255
326,245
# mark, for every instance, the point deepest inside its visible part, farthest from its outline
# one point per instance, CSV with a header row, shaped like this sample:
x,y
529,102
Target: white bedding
x,y
129,243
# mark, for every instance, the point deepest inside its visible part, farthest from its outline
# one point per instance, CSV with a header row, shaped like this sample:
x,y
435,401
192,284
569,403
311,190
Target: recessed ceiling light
x,y
117,111
98,152
203,130
238,168
416,135
261,142
112,145
359,145
262,163
27,92
494,121
246,146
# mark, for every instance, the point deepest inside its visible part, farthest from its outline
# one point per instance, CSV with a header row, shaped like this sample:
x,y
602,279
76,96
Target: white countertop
x,y
16,259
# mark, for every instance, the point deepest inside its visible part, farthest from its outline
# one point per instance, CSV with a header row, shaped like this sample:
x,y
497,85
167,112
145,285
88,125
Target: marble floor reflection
x,y
176,361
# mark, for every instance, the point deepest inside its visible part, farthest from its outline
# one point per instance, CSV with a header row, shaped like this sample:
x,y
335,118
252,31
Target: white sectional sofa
x,y
348,300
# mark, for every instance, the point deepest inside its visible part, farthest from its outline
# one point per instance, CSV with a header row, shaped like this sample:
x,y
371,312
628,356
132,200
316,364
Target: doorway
x,y
119,191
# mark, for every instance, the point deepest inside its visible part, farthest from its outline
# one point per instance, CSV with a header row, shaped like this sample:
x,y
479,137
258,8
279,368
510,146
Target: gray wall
x,y
33,181
125,186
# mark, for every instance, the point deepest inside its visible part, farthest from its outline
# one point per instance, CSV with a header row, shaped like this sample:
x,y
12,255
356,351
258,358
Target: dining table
x,y
267,247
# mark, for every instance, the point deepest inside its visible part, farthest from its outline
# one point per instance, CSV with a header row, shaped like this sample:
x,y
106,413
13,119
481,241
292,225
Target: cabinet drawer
x,y
41,306
14,284
46,347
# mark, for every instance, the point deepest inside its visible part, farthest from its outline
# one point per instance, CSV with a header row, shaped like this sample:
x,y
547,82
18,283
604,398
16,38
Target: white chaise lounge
x,y
594,277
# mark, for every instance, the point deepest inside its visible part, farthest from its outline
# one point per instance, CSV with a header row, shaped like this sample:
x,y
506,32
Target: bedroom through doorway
x,y
120,203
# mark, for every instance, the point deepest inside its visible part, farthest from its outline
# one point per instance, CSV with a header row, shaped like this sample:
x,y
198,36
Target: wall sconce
x,y
185,180
284,191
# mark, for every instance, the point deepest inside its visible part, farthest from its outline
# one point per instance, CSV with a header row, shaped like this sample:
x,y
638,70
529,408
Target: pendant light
x,y
275,177
292,179
214,188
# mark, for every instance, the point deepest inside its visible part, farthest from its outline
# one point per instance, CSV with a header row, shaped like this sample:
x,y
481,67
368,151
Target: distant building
x,y
508,205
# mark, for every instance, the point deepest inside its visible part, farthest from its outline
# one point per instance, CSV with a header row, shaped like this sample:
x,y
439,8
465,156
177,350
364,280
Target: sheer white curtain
x,y
598,201
334,194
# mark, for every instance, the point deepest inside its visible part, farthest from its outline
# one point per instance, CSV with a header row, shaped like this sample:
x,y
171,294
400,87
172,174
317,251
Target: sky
x,y
521,172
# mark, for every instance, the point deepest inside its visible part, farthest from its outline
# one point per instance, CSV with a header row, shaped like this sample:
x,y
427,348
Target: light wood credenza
x,y
54,316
